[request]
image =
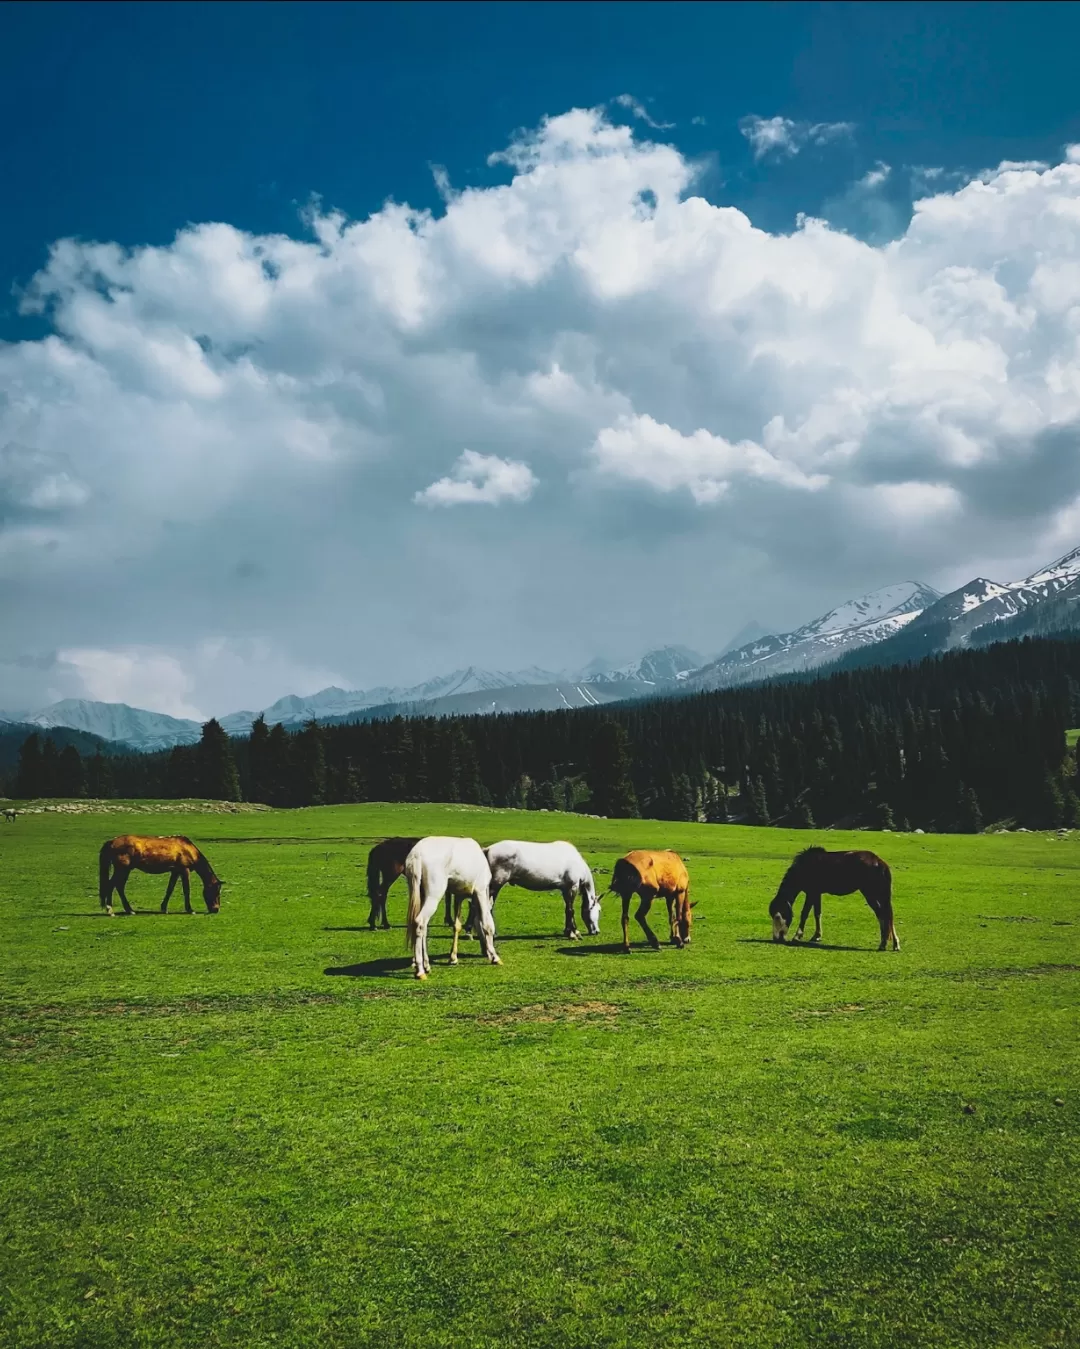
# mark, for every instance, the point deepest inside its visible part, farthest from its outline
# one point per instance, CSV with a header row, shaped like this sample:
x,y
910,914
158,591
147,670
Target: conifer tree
x,y
28,780
609,772
279,766
71,776
759,804
259,761
99,782
310,764
217,776
50,769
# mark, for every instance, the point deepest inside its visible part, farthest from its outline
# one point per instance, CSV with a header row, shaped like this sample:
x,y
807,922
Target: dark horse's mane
x,y
806,853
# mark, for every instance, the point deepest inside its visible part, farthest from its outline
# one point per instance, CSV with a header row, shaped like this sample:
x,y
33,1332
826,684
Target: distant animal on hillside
x,y
177,855
648,874
11,816
818,872
435,866
385,863
547,866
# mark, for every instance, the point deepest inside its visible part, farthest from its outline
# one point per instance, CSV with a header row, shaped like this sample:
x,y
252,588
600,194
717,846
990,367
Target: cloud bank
x,y
227,439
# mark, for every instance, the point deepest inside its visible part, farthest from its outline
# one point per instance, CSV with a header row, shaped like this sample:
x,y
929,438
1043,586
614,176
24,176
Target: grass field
x,y
256,1129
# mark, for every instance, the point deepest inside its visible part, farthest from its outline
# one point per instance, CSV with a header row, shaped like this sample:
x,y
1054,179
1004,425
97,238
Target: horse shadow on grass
x,y
385,968
604,949
798,945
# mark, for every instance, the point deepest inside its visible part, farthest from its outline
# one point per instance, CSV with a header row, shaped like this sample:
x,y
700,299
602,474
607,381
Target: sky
x,y
354,344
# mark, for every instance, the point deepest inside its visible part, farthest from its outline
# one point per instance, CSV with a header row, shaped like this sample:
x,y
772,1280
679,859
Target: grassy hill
x,y
257,1129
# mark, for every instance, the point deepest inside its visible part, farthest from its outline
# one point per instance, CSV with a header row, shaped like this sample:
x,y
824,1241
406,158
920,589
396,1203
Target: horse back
x,y
153,853
664,872
842,873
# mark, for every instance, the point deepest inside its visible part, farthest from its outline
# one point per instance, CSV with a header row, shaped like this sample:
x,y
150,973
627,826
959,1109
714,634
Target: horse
x,y
11,816
818,873
547,866
434,867
178,856
648,874
385,863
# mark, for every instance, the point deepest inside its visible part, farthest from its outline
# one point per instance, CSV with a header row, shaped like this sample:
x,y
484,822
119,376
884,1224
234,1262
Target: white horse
x,y
547,866
446,866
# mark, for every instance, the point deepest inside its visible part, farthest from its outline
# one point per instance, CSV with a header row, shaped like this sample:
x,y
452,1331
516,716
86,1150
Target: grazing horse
x,y
818,873
547,866
178,856
648,874
385,863
11,816
433,868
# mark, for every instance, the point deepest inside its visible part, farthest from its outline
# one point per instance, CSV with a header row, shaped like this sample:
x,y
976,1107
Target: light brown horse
x,y
818,873
648,874
178,856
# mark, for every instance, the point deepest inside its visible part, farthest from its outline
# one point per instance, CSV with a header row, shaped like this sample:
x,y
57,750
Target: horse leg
x,y
570,927
185,881
817,919
625,921
806,908
457,926
642,914
120,876
168,893
106,903
421,962
385,882
487,928
882,908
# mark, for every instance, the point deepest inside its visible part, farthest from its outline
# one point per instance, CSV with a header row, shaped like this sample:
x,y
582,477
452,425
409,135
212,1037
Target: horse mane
x,y
815,851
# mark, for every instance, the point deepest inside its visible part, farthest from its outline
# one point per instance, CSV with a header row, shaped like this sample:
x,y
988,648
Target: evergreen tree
x,y
217,776
279,766
260,788
71,776
28,780
310,765
50,769
968,816
804,816
99,781
885,816
609,772
759,804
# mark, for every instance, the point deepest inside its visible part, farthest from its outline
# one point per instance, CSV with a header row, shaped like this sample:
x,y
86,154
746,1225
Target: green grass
x,y
256,1129
1072,736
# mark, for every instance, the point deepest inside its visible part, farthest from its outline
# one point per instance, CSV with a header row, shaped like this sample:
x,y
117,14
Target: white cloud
x,y
132,675
642,450
639,110
225,433
480,479
783,137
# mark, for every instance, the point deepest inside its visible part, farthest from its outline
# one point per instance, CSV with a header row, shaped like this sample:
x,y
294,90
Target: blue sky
x,y
632,445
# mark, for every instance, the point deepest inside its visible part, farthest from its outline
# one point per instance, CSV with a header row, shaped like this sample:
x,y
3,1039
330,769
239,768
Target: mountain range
x,y
899,622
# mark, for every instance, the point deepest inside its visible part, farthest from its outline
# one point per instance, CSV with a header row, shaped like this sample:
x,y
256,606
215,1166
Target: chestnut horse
x,y
385,863
648,874
818,873
178,856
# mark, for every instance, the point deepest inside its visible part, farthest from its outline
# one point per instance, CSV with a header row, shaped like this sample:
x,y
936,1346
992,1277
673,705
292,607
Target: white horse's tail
x,y
413,873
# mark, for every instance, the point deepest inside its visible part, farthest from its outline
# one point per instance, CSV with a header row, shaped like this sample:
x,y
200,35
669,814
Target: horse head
x,y
781,911
685,919
212,894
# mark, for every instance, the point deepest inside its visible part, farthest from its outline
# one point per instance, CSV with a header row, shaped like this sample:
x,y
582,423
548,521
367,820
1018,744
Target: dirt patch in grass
x,y
847,1009
550,1012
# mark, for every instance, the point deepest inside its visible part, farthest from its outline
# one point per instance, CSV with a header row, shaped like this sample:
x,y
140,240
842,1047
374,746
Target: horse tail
x,y
104,858
413,875
374,872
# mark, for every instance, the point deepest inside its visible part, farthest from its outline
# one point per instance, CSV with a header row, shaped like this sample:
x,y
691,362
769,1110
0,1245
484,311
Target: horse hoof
x,y
496,960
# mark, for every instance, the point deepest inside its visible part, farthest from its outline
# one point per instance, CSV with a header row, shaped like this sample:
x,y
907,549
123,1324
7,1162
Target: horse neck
x,y
789,886
203,870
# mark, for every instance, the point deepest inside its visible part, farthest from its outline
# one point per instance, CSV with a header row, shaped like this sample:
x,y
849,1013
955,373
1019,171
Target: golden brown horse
x,y
818,873
648,874
178,856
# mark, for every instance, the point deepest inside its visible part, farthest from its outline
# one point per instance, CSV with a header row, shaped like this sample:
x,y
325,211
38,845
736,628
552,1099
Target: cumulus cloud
x,y
225,434
480,479
782,137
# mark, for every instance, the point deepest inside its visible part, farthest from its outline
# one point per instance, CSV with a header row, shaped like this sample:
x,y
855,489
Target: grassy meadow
x,y
257,1129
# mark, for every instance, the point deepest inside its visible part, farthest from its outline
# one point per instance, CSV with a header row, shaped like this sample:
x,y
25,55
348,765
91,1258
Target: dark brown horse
x,y
817,872
386,862
648,874
178,856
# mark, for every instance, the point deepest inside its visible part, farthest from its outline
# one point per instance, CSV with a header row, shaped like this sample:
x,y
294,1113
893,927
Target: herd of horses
x,y
449,870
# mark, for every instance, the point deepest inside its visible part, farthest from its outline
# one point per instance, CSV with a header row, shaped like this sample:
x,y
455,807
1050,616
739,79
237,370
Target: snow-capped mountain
x,y
663,666
861,622
116,721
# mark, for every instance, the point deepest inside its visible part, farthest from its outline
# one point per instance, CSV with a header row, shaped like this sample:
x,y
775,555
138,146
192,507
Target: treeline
x,y
951,743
